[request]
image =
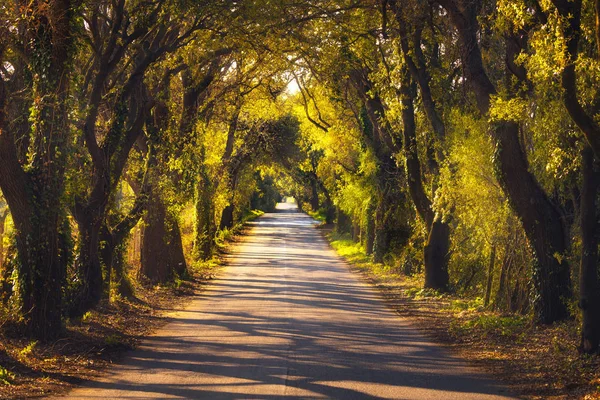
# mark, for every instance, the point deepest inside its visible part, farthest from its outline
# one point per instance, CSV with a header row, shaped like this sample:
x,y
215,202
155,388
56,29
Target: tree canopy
x,y
456,140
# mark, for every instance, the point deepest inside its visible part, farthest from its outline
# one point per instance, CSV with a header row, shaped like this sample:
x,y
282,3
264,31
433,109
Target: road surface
x,y
288,320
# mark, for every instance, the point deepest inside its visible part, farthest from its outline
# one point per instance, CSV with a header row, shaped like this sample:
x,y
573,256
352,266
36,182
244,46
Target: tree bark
x,y
370,234
3,216
204,230
162,252
589,283
435,253
42,233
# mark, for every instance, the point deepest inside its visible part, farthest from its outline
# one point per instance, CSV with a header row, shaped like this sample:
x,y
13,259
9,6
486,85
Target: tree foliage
x,y
455,140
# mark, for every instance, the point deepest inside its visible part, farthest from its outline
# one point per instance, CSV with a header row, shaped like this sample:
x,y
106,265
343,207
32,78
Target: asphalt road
x,y
287,319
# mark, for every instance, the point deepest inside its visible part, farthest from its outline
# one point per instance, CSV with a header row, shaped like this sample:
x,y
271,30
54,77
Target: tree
x,y
34,187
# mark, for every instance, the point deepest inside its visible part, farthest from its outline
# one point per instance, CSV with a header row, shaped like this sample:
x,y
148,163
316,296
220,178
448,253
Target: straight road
x,y
288,320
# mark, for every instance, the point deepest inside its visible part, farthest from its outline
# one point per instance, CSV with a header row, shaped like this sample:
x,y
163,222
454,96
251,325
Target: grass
x,y
319,215
537,361
226,235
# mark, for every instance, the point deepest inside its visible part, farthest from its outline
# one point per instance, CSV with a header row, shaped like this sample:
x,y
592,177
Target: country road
x,y
287,319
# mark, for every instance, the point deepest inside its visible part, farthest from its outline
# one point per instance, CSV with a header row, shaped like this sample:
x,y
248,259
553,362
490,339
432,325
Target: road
x,y
288,320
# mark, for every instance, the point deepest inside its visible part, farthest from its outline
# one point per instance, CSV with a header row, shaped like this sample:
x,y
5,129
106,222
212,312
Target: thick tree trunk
x,y
589,283
435,253
227,217
162,252
542,224
34,197
541,220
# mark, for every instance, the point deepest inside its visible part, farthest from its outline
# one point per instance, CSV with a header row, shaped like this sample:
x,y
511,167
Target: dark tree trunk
x,y
91,288
500,301
589,283
330,210
34,197
541,220
370,234
314,194
356,232
3,216
227,217
490,276
343,223
204,224
162,252
112,257
382,229
435,253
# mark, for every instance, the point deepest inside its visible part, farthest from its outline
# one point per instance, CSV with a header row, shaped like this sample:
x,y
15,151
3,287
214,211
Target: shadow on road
x,y
288,320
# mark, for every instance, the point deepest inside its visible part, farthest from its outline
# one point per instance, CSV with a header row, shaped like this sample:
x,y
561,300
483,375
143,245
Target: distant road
x,y
287,319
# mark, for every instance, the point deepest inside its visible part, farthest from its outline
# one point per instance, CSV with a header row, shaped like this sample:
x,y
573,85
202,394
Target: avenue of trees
x,y
455,139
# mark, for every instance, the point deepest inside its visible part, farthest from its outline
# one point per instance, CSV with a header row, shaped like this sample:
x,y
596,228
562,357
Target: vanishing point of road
x,y
287,319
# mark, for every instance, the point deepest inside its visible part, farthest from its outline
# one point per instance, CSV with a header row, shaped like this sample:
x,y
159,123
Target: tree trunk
x,y
382,227
501,303
204,230
356,232
490,276
3,216
314,194
91,288
34,196
542,224
227,217
589,284
541,220
370,234
435,253
343,223
162,252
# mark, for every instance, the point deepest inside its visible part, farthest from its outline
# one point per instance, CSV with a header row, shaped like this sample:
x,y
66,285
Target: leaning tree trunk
x,y
540,219
589,284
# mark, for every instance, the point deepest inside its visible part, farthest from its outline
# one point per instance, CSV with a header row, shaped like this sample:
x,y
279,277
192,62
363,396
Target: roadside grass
x,y
92,343
537,362
319,215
